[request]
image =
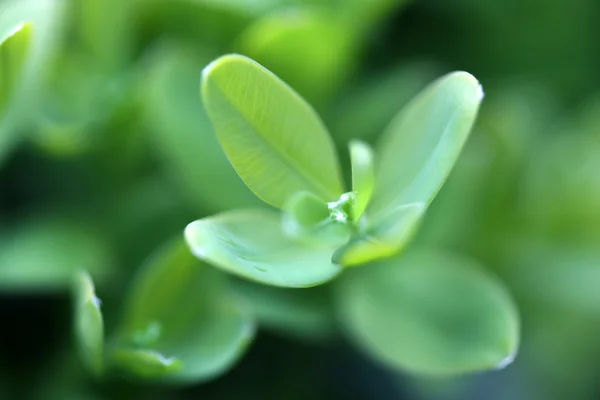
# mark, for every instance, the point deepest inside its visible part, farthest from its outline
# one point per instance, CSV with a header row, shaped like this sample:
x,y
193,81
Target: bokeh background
x,y
106,153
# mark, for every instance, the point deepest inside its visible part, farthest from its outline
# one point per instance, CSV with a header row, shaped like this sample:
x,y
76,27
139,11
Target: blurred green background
x,y
106,154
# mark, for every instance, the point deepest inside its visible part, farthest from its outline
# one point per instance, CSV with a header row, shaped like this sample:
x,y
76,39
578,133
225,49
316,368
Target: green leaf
x,y
421,145
309,219
146,363
430,313
252,244
107,35
89,325
363,176
274,139
182,136
179,325
384,238
311,51
44,252
552,273
250,7
13,52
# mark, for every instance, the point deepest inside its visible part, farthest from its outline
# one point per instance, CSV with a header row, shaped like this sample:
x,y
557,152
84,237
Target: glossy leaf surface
x,y
252,244
421,145
274,139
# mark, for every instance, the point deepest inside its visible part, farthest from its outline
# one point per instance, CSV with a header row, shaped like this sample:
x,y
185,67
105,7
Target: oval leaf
x,y
274,139
179,325
421,145
363,176
386,237
252,244
430,313
89,324
309,219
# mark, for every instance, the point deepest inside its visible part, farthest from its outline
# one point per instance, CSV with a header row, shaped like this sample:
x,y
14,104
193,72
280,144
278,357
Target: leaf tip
x,y
470,80
190,234
222,61
506,361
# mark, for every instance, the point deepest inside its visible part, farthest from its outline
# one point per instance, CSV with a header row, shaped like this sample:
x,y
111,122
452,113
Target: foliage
x,y
334,191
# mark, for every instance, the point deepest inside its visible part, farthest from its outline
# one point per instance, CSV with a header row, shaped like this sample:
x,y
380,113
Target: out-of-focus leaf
x,y
43,253
384,238
430,313
309,219
183,137
554,274
252,7
363,176
274,139
179,325
361,15
107,35
80,100
309,50
561,189
303,314
89,324
213,23
252,244
421,145
40,21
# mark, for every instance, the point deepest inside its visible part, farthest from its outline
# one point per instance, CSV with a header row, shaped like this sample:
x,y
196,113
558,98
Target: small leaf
x,y
430,313
274,139
252,244
421,145
384,238
179,325
89,325
363,176
308,218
